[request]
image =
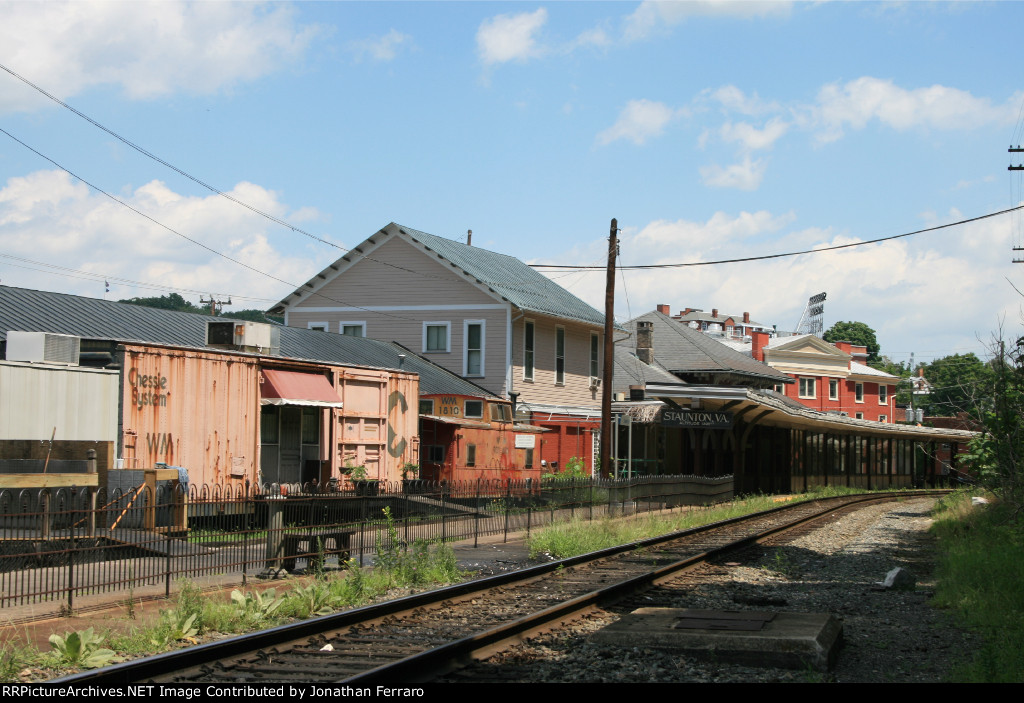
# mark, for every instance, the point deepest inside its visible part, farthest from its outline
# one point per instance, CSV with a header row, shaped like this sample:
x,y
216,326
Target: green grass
x,y
193,614
580,536
981,579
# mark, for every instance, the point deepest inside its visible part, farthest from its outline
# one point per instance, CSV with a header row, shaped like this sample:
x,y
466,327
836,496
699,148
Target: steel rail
x,y
412,667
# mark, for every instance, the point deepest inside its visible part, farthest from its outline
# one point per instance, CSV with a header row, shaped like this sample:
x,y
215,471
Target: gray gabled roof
x,y
630,371
505,277
682,350
27,310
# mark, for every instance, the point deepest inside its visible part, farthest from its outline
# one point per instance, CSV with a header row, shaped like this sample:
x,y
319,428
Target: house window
x,y
807,388
474,408
883,418
883,394
595,344
859,416
436,336
474,356
560,356
427,407
352,329
470,455
528,350
833,389
780,388
318,326
859,392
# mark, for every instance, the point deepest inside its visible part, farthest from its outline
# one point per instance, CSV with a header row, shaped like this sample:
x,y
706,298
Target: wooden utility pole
x,y
609,351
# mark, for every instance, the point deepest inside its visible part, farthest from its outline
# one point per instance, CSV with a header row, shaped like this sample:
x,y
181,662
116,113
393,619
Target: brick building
x,y
829,377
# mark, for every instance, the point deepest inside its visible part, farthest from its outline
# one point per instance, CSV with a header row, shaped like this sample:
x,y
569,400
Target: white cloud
x,y
148,49
47,216
653,16
735,100
899,287
752,139
384,48
859,101
745,175
639,121
510,37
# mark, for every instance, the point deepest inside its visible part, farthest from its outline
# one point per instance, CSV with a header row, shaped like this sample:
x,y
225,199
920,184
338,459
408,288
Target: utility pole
x,y
215,305
609,350
1018,167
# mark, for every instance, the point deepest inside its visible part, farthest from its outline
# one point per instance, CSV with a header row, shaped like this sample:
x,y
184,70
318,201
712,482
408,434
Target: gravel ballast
x,y
890,635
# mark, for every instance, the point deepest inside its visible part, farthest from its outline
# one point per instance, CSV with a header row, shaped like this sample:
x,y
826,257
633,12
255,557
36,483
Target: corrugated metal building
x,y
221,414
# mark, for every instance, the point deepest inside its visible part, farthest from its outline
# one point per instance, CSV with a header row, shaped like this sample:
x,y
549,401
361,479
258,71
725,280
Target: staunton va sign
x,y
691,418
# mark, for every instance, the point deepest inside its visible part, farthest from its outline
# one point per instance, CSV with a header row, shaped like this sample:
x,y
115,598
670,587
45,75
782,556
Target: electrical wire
x,y
787,254
190,239
94,276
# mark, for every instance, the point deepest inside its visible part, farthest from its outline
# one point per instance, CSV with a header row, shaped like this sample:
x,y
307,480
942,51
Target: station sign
x,y
707,420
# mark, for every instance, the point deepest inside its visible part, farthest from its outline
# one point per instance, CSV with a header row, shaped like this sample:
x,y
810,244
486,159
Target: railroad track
x,y
416,638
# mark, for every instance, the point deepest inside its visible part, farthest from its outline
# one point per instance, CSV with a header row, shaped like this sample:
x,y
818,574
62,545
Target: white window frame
x,y
859,416
813,382
833,383
353,323
448,336
466,349
559,376
858,392
883,418
883,394
529,370
465,409
322,326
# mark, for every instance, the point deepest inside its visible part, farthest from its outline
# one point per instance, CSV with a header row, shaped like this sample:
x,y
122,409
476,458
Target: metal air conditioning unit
x,y
43,348
240,335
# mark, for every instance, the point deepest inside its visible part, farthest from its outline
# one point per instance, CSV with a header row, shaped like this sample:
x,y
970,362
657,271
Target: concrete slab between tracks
x,y
751,638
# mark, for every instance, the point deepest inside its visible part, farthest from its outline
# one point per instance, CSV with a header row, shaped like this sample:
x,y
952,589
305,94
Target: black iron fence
x,y
59,544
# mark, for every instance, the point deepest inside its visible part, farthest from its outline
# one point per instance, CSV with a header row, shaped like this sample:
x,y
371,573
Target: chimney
x,y
758,342
645,341
746,318
665,309
714,312
469,237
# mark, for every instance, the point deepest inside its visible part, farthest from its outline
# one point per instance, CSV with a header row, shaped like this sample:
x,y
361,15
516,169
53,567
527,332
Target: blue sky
x,y
710,130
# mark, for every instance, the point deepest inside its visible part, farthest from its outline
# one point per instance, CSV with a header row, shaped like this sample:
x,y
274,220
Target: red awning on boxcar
x,y
279,387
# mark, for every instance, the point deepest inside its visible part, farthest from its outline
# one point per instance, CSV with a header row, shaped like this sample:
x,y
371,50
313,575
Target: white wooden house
x,y
485,316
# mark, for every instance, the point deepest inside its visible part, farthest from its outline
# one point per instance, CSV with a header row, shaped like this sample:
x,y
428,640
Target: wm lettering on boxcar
x,y
160,443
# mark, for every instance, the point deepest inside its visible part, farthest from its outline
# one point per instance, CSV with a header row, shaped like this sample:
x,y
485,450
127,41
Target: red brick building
x,y
829,377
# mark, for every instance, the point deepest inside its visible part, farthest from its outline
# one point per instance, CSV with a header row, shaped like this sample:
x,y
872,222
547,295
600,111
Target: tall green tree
x,y
996,455
958,383
171,301
856,332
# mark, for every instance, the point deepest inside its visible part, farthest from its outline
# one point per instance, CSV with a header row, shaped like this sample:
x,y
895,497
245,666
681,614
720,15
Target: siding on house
x,y
575,391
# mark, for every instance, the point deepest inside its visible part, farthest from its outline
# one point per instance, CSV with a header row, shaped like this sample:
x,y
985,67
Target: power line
x,y
791,253
185,237
94,276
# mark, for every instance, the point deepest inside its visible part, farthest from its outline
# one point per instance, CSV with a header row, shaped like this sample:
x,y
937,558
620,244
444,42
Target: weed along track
x,y
421,636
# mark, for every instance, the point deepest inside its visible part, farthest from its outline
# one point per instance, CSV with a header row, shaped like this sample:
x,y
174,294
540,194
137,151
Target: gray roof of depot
x,y
27,310
682,350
